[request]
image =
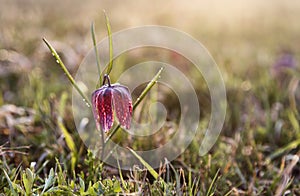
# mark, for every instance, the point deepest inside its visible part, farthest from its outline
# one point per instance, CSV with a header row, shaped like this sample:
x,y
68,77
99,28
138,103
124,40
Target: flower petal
x,y
95,96
102,108
122,104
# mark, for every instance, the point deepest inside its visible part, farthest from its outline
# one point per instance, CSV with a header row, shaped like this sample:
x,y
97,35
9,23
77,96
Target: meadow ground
x,y
256,45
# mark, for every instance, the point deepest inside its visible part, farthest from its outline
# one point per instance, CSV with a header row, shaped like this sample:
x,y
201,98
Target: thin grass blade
x,y
96,54
108,27
62,65
209,192
148,167
10,183
70,143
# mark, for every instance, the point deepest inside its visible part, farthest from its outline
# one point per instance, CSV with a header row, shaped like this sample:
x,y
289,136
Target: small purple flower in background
x,y
108,98
285,60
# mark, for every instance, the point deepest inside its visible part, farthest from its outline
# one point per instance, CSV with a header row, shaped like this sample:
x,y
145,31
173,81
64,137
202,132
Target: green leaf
x,y
70,143
82,185
293,120
62,103
49,181
60,176
30,175
69,140
26,184
98,187
90,189
19,188
28,179
117,187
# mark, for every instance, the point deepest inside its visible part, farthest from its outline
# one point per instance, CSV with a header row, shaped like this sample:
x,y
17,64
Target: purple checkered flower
x,y
108,98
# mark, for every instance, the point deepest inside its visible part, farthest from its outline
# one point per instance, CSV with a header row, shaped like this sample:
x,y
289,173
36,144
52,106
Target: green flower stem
x,y
71,79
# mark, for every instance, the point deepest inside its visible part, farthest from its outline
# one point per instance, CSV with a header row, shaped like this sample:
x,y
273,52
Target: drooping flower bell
x,y
108,98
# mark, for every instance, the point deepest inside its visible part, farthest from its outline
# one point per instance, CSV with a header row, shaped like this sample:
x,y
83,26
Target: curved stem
x,y
106,77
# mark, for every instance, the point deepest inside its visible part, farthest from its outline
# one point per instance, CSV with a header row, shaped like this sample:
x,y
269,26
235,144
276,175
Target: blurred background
x,y
256,45
239,34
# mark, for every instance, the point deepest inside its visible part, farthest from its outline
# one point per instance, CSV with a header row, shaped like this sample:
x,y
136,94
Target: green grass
x,y
256,153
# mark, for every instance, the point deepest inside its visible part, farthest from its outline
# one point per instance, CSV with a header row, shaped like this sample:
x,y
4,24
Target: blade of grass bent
x,y
149,168
290,146
71,79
